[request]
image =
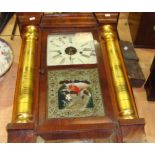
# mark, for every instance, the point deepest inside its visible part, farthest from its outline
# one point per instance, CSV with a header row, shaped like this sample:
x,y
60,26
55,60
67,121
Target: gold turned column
x,y
125,104
25,93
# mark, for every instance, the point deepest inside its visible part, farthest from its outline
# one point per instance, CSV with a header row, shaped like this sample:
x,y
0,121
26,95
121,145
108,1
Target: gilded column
x,y
25,93
125,104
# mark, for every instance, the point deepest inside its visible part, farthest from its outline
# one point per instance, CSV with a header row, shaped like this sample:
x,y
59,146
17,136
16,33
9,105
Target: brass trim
x,y
25,94
125,105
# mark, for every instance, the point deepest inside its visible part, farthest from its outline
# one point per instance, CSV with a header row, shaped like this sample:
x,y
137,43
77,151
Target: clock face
x,y
6,57
68,49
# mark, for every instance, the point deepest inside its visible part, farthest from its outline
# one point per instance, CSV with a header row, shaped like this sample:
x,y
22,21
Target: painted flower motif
x,y
75,94
74,88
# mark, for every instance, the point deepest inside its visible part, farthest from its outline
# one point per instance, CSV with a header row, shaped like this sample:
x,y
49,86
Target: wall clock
x,y
6,57
72,82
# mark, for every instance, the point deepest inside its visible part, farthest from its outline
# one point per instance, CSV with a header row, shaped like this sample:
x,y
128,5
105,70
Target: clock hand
x,y
70,58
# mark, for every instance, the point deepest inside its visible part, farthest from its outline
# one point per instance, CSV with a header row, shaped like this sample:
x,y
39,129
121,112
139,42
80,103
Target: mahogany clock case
x,y
75,125
107,126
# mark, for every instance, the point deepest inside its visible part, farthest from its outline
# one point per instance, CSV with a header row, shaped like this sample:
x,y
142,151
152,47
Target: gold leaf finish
x,y
125,105
25,96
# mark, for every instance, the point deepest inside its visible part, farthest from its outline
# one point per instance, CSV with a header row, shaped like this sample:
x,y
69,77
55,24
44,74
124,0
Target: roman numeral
x,y
55,44
80,60
84,55
62,61
72,59
60,39
70,40
86,49
92,54
57,51
56,56
85,44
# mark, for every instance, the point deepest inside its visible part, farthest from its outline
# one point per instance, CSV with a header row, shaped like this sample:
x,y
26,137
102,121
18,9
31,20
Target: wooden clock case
x,y
109,128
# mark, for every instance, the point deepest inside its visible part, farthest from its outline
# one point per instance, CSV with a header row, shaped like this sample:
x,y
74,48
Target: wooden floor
x,y
7,83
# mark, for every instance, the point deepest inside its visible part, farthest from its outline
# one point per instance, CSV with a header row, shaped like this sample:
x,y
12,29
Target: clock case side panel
x,y
129,130
132,130
25,132
46,124
17,133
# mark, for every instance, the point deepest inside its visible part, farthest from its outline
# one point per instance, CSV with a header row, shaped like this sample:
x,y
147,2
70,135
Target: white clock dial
x,y
67,49
6,57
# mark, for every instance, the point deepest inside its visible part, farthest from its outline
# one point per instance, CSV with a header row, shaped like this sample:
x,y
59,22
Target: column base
x,y
21,133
